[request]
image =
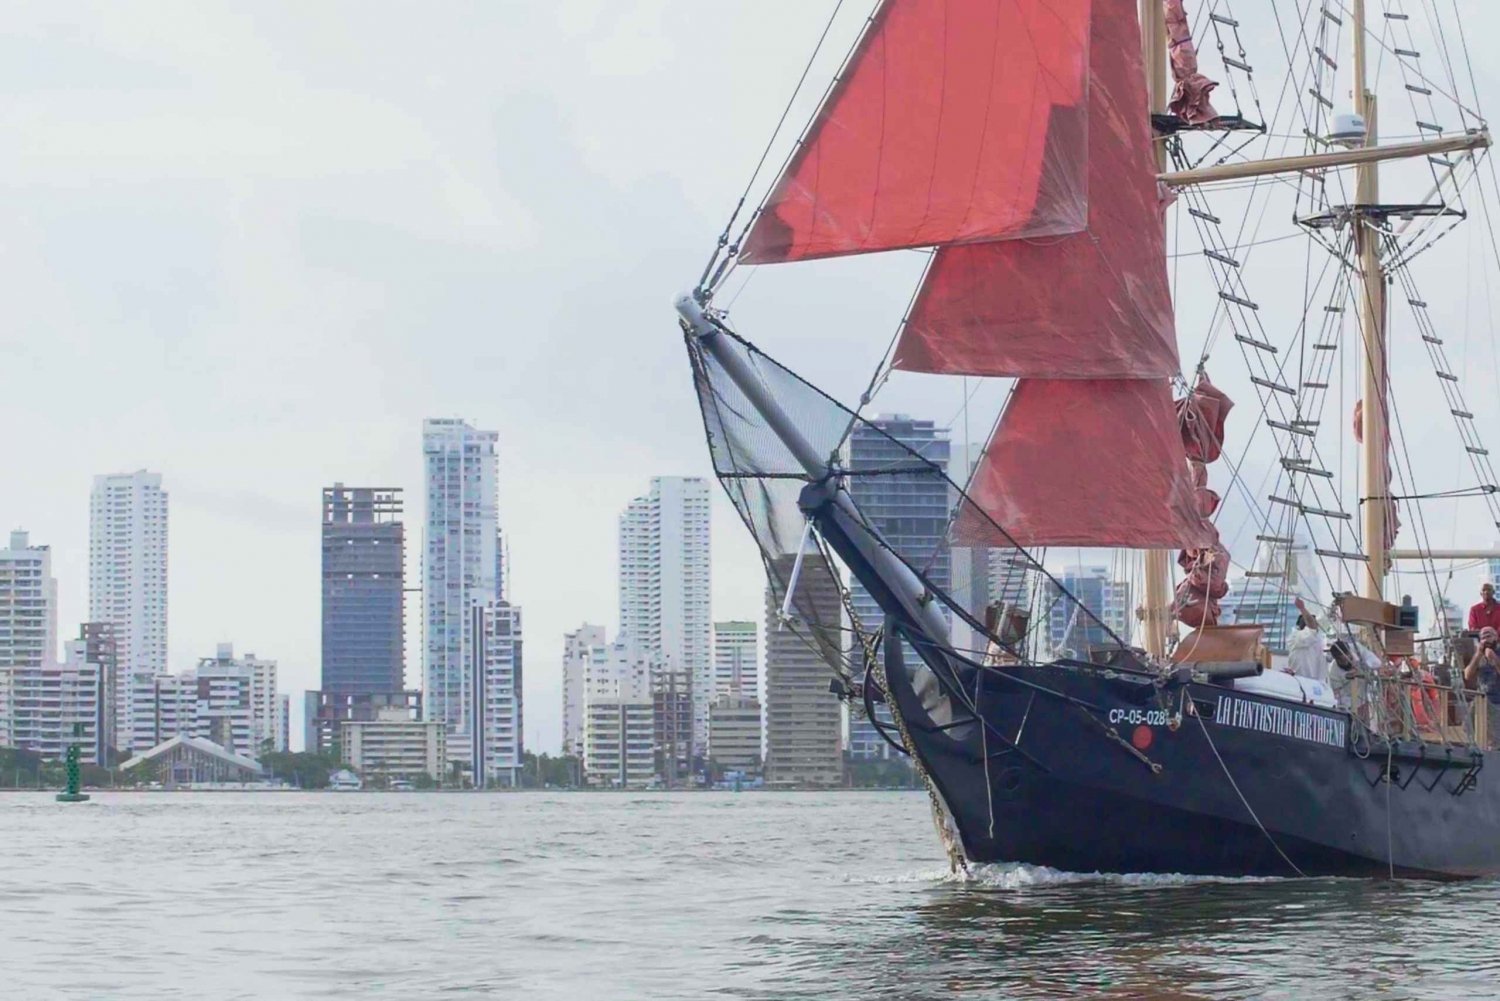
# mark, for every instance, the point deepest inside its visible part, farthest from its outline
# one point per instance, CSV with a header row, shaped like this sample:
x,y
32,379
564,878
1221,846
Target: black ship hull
x,y
1086,768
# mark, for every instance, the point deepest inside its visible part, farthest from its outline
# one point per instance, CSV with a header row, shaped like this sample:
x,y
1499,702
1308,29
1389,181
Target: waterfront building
x,y
579,647
231,701
734,732
224,693
986,577
364,583
395,746
173,708
619,725
619,735
28,604
1266,595
184,759
28,617
911,511
324,714
802,716
28,628
53,705
101,648
281,726
736,655
364,612
665,609
1070,627
494,751
461,569
128,587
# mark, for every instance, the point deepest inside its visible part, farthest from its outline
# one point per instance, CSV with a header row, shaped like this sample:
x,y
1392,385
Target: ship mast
x,y
1156,609
1372,329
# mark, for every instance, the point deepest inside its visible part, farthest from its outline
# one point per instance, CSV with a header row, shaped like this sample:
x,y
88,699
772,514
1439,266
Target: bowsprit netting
x,y
1002,605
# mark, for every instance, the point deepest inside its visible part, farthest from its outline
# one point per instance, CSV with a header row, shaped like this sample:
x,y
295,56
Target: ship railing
x,y
1398,706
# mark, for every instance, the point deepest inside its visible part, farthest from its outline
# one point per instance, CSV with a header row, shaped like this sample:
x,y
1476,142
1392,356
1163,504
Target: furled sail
x,y
1095,304
1201,416
1191,89
955,121
1085,463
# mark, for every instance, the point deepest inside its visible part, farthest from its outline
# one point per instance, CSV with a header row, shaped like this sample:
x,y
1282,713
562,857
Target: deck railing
x,y
1393,704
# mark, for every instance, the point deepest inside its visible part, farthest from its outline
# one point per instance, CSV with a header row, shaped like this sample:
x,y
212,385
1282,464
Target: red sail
x,y
1085,463
1087,306
955,121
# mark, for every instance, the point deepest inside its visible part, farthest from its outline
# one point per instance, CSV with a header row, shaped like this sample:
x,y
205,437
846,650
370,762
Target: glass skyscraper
x,y
910,509
364,583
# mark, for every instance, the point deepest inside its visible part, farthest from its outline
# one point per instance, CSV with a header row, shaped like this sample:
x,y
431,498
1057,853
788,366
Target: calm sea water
x,y
607,896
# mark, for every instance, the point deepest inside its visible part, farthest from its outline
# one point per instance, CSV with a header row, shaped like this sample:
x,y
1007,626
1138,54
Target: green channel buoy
x,y
71,793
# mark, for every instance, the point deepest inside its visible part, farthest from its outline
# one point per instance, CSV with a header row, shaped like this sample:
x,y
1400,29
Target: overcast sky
x,y
252,246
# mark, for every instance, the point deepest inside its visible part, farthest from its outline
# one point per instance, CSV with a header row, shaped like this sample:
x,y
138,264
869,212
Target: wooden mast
x,y
1156,609
1374,472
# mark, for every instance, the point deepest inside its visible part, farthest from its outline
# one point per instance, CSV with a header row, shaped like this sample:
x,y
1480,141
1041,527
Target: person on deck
x,y
1305,657
1487,612
1483,674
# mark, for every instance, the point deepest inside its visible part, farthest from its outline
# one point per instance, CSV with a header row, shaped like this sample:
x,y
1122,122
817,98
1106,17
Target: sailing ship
x,y
1040,154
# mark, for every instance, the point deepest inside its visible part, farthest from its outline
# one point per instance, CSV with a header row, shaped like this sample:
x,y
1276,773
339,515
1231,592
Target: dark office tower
x,y
364,651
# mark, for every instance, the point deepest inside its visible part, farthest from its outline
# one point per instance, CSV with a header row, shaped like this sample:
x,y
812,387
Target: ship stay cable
x,y
723,246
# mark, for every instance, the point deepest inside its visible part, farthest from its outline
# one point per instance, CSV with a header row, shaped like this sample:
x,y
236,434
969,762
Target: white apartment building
x,y
281,725
264,701
578,649
52,705
28,620
619,720
664,586
395,746
461,568
229,700
495,747
619,742
28,604
128,587
736,659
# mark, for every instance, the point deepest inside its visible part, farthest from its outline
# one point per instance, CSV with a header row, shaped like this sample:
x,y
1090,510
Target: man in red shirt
x,y
1487,612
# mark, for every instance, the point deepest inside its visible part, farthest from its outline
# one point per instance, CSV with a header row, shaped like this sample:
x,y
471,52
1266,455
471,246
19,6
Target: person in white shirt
x,y
1305,657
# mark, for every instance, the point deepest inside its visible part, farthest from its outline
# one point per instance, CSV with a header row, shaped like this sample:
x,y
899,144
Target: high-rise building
x,y
229,700
983,577
1070,626
734,732
619,727
392,745
462,569
803,718
664,600
579,648
282,724
495,744
28,604
735,660
1266,595
128,587
28,620
99,648
910,510
364,581
54,705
